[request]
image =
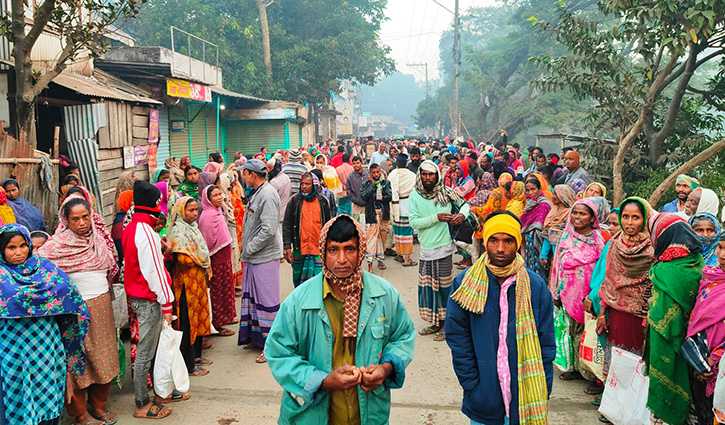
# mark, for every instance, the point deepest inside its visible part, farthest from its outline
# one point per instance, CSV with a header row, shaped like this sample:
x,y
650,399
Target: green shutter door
x,y
179,140
199,153
249,136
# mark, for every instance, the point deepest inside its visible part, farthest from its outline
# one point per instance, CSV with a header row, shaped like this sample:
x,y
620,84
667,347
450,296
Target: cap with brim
x,y
255,165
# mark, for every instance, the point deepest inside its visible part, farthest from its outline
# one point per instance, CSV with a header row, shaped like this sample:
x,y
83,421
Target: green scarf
x,y
190,189
674,289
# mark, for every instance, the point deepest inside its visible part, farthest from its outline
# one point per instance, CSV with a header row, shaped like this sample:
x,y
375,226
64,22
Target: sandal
x,y
156,411
570,376
199,371
399,258
109,418
603,419
411,264
593,389
597,401
203,361
430,330
205,344
382,265
225,332
261,358
95,421
175,396
249,346
439,336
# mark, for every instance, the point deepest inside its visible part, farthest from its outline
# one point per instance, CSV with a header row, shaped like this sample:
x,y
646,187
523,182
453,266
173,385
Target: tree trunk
x,y
685,168
266,47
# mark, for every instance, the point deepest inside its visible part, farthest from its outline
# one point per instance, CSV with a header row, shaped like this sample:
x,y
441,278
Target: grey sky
x,y
413,29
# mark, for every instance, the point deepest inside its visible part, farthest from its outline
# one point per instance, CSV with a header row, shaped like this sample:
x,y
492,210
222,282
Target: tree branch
x,y
40,20
42,82
675,75
685,168
676,100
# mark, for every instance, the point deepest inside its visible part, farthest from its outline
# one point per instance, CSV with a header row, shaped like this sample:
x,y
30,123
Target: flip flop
x,y
381,265
411,264
175,396
203,361
109,418
199,371
225,332
94,422
261,359
156,411
439,336
430,330
205,345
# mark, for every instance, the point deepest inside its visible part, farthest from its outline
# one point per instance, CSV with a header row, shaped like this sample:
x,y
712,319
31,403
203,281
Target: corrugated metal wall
x,y
249,136
81,122
199,151
178,140
163,151
85,153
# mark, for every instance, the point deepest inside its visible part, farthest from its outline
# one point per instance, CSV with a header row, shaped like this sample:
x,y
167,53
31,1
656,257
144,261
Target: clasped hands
x,y
345,377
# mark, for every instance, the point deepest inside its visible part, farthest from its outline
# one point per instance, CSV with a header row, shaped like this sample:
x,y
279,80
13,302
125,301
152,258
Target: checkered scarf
x,y
471,296
351,285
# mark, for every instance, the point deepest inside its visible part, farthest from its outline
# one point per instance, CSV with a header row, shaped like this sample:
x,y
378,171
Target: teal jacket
x,y
299,350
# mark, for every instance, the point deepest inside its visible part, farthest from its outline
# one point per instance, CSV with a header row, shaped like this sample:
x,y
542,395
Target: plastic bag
x,y
718,397
591,352
564,359
120,306
169,368
624,401
118,380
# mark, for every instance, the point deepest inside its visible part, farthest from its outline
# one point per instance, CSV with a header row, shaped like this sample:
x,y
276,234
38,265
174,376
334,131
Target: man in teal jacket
x,y
342,339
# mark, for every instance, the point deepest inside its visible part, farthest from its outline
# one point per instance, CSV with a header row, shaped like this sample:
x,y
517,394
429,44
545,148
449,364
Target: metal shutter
x,y
178,140
163,151
250,135
199,151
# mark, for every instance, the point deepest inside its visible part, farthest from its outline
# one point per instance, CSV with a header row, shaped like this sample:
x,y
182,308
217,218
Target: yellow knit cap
x,y
502,223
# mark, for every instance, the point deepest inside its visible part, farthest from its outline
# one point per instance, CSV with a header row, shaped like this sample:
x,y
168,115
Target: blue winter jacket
x,y
300,344
473,339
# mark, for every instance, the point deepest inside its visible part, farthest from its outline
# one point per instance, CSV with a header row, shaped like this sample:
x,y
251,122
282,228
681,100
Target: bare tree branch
x,y
686,168
40,20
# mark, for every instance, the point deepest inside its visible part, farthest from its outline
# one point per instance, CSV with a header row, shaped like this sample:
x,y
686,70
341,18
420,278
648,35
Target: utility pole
x,y
456,113
426,74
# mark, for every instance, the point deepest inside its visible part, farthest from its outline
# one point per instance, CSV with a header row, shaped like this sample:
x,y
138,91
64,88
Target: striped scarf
x,y
471,296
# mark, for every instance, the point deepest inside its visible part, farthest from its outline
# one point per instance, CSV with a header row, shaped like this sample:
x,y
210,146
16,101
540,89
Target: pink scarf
x,y
213,224
74,253
574,261
708,314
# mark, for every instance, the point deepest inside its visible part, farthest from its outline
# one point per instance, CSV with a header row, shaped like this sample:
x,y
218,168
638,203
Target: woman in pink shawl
x,y
532,224
577,253
213,226
82,250
708,317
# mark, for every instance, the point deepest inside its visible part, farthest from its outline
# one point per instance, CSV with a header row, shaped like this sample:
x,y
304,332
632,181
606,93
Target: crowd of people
x,y
542,255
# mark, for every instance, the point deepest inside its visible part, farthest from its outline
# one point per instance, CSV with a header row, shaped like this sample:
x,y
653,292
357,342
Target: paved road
x,y
240,391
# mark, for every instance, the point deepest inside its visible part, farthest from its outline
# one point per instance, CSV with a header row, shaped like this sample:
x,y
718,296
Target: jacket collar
x,y
313,298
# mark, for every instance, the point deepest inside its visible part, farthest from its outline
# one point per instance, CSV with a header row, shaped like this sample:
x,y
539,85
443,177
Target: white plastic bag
x,y
718,400
591,352
624,401
169,368
120,306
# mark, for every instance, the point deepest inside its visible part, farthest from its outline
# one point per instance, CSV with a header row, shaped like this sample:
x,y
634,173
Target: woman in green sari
x,y
675,277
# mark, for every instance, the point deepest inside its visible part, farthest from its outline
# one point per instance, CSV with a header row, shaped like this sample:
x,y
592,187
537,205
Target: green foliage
x,y
495,73
314,43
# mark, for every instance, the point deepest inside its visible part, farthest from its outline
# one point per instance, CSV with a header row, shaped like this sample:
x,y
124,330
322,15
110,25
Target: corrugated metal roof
x,y
93,87
224,92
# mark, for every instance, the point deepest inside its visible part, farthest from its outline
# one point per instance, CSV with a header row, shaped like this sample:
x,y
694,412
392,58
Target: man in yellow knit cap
x,y
500,328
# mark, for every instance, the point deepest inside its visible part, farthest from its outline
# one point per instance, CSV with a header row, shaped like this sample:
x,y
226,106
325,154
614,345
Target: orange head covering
x,y
504,178
575,157
125,199
544,184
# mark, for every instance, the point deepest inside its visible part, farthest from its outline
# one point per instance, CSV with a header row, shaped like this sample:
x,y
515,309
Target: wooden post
x,y
56,142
